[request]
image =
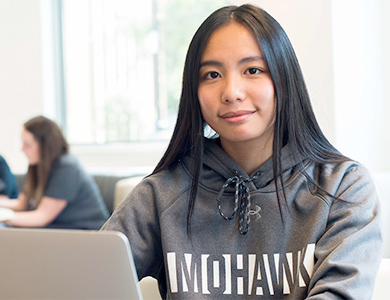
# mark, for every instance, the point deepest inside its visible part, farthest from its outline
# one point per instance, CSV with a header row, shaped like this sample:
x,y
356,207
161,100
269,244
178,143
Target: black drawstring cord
x,y
242,201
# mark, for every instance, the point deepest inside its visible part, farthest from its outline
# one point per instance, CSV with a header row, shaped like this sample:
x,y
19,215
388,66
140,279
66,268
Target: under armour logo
x,y
256,212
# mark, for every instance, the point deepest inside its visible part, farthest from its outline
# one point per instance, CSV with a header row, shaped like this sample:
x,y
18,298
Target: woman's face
x,y
235,91
30,147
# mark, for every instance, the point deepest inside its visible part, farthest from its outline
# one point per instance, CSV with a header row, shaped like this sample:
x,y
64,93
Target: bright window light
x,y
122,64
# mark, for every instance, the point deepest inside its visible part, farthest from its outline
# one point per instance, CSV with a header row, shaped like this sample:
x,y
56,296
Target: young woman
x,y
57,193
267,208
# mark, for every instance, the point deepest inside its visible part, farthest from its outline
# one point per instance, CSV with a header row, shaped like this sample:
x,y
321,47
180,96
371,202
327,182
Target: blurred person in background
x,y
57,192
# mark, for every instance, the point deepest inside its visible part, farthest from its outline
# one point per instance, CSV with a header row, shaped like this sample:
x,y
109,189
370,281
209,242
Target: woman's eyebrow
x,y
210,63
250,59
240,62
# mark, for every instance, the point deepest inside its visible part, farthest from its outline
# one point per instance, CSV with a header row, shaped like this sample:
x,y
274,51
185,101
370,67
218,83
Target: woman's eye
x,y
253,71
212,75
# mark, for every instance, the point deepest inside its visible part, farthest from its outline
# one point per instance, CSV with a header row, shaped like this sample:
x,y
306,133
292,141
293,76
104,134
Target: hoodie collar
x,y
221,173
218,167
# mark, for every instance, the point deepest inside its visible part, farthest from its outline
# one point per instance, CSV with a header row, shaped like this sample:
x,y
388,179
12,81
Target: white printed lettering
x,y
267,274
171,260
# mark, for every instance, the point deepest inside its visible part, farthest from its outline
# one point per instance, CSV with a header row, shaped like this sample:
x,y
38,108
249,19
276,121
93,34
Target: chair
x,y
123,187
149,289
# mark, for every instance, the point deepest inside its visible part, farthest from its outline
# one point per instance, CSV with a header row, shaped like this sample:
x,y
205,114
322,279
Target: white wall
x,y
20,74
360,65
309,26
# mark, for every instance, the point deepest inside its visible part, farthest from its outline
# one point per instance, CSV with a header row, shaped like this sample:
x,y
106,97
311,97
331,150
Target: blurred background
x,y
109,72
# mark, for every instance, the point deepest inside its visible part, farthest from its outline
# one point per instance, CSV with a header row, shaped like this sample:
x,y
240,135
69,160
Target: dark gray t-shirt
x,y
69,181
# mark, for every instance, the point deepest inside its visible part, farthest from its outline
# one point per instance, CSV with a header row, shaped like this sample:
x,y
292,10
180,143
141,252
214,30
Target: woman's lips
x,y
237,116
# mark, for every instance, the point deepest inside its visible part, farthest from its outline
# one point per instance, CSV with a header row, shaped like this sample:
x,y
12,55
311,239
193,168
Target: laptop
x,y
66,264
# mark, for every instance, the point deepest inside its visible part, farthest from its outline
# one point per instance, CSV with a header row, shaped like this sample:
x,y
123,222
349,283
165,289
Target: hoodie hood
x,y
221,174
218,167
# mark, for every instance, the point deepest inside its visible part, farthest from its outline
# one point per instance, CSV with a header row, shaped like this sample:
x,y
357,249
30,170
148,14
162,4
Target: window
x,y
122,66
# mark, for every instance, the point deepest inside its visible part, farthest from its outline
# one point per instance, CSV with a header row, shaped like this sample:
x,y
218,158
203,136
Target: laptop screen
x,y
66,264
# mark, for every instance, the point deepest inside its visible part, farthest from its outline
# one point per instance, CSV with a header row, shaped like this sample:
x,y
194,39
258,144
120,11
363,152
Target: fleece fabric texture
x,y
308,245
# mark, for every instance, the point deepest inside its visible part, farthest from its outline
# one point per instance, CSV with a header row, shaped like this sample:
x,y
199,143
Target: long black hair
x,y
295,122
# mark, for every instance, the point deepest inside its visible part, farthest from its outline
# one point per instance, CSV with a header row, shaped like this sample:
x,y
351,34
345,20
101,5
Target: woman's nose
x,y
233,89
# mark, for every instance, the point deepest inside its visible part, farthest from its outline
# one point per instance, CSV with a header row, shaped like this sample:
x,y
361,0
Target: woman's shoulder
x,y
67,165
336,168
337,178
347,168
165,185
353,173
175,176
67,160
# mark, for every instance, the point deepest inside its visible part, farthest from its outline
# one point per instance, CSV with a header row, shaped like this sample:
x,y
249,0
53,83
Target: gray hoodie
x,y
311,246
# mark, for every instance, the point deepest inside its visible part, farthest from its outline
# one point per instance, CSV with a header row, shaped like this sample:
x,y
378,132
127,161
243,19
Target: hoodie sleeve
x,y
350,251
137,218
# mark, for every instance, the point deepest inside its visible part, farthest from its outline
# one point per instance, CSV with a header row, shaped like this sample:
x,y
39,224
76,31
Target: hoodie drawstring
x,y
242,201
